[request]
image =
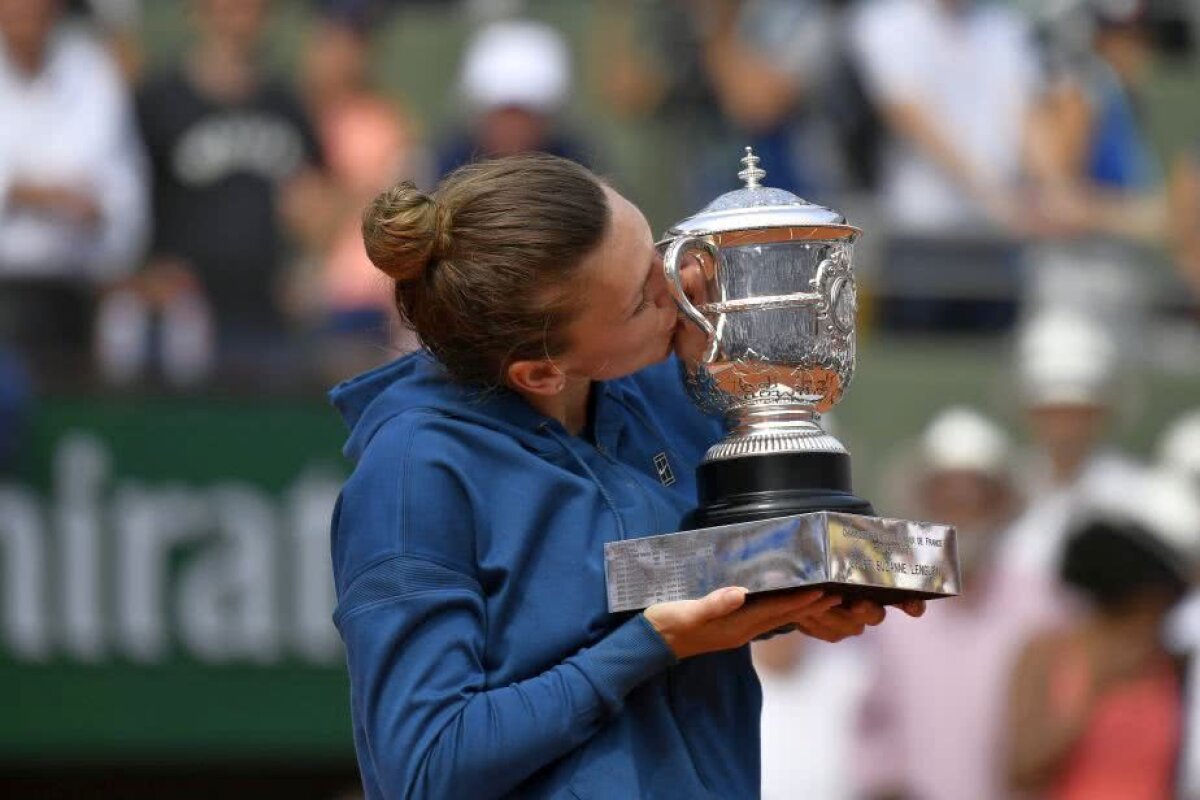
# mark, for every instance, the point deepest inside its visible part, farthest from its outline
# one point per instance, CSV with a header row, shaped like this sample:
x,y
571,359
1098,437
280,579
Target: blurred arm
x,y
628,80
1185,219
121,192
1040,734
751,89
1056,153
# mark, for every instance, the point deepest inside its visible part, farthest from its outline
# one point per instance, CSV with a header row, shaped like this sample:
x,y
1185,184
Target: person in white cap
x,y
933,715
1067,371
515,80
1097,706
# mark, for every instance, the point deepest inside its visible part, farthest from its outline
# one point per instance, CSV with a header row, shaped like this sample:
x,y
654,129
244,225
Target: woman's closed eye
x,y
642,306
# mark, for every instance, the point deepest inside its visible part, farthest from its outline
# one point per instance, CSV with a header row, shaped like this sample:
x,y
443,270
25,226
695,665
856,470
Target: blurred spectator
x,y
933,714
368,143
955,81
1067,373
772,74
1185,218
1096,708
72,194
225,139
516,76
1100,173
780,75
810,692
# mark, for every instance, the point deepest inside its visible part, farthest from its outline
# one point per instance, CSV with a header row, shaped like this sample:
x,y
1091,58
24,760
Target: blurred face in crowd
x,y
512,130
1068,432
238,24
976,503
1126,47
335,61
25,26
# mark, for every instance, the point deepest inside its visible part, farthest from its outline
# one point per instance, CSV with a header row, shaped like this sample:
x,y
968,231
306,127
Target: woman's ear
x,y
540,377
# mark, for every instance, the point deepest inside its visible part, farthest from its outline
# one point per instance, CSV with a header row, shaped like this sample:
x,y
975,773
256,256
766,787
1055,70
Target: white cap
x,y
960,438
1166,505
1179,448
515,63
1064,358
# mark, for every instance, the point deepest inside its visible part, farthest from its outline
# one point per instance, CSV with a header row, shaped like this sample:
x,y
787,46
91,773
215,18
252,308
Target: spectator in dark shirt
x,y
225,141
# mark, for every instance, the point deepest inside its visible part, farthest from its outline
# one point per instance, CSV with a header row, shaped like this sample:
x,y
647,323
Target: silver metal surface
x,y
756,206
778,307
788,552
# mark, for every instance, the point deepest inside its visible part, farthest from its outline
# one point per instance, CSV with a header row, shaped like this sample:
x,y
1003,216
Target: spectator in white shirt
x,y
955,81
72,194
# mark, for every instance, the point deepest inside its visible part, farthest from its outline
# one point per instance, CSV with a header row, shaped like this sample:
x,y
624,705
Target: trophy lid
x,y
755,206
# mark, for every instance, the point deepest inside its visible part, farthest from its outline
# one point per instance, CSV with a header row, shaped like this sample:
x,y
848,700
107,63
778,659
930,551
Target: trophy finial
x,y
752,174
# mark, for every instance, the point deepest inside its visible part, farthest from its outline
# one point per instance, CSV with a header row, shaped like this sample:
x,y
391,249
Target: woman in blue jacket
x,y
491,468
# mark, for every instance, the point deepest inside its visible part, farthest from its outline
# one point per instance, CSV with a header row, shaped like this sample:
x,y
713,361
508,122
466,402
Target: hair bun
x,y
404,231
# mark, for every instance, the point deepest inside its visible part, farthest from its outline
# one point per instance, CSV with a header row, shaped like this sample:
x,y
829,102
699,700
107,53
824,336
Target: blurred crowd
x,y
196,224
1066,669
194,220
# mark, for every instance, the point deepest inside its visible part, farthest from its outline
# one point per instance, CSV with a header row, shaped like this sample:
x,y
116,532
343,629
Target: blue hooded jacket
x,y
468,559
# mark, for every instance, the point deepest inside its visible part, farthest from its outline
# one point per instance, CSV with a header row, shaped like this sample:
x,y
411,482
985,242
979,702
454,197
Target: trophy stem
x,y
773,429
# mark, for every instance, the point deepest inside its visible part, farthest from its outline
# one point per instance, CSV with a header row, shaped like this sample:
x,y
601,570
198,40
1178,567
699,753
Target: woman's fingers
x,y
828,631
867,611
914,608
838,623
808,604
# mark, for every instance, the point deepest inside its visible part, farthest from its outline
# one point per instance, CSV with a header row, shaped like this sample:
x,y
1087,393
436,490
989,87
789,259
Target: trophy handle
x,y
671,259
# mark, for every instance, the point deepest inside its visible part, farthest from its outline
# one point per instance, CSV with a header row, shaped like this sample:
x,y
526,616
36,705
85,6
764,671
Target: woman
x,y
492,468
1097,707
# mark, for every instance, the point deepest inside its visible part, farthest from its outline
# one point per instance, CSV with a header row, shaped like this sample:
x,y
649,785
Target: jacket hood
x,y
418,381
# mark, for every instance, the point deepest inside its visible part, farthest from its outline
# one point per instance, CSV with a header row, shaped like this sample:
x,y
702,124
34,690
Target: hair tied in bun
x,y
405,231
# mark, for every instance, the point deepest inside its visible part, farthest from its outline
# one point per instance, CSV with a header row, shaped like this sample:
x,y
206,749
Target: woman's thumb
x,y
721,602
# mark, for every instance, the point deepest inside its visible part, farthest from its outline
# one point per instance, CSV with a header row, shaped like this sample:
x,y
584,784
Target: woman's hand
x,y
842,621
724,619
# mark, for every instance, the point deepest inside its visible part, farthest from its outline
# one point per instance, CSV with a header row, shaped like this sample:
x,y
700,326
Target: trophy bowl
x,y
778,306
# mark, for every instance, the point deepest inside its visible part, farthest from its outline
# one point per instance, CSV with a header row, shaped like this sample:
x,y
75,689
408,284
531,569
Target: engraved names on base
x,y
656,569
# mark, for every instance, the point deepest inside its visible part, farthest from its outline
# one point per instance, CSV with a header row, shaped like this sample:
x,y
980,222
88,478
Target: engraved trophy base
x,y
885,560
756,529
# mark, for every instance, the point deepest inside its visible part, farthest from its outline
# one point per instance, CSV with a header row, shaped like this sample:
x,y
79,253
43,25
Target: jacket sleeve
x,y
414,627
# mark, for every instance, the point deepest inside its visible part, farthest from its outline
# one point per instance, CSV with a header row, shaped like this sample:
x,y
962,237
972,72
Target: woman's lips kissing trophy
x,y
777,512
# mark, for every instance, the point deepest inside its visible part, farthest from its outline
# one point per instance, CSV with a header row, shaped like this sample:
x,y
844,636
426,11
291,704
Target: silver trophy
x,y
778,306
